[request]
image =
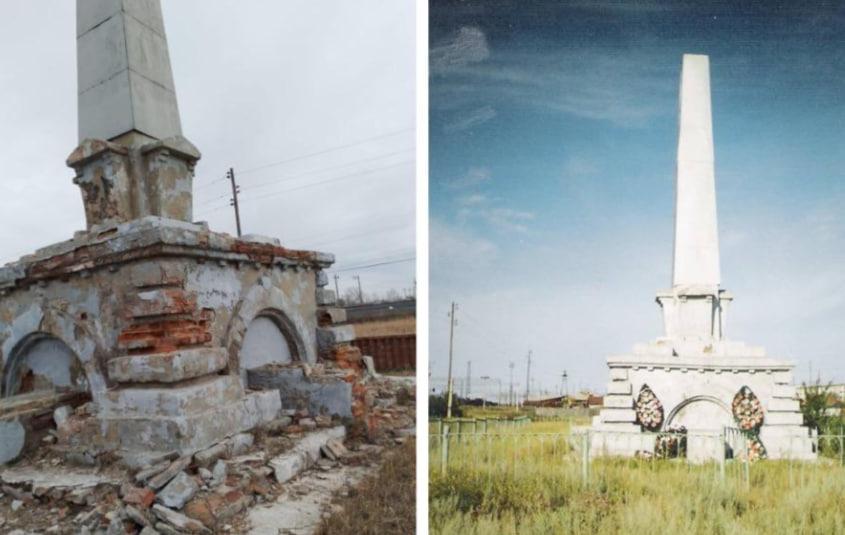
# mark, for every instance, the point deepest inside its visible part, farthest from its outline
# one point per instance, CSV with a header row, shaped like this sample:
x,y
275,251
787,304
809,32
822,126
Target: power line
x,y
409,259
335,179
316,171
311,185
406,216
360,235
324,151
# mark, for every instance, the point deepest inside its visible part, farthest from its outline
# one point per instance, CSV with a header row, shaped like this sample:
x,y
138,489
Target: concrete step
x,y
165,400
169,367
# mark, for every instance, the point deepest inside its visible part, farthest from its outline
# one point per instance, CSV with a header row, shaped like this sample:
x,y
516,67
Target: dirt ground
x,y
382,504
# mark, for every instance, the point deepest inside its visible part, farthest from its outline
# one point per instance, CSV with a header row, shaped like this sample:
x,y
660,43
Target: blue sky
x,y
553,135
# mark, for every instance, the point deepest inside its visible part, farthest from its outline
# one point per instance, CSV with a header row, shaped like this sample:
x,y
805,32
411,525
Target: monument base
x,y
158,320
697,394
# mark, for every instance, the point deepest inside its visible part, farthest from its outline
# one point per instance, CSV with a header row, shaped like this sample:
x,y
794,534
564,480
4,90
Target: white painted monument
x,y
693,378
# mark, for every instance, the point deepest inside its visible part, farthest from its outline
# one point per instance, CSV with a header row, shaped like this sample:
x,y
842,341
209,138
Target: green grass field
x,y
531,482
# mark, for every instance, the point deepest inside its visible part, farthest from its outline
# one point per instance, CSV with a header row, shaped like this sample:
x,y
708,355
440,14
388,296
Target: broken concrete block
x,y
169,473
308,424
168,367
306,452
149,530
325,297
207,457
330,336
323,421
177,493
61,415
329,395
178,520
278,425
337,448
142,497
154,470
137,516
241,443
12,438
328,453
116,525
369,365
289,465
218,474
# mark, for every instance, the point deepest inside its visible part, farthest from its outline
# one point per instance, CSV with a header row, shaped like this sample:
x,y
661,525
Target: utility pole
x,y
564,391
469,379
336,289
528,377
234,200
511,400
360,291
452,323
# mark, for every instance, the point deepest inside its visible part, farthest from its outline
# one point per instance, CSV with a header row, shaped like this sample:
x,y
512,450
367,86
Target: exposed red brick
x,y
142,497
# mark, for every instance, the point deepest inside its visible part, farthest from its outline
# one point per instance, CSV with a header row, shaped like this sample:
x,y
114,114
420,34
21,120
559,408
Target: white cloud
x,y
625,89
473,177
468,45
471,119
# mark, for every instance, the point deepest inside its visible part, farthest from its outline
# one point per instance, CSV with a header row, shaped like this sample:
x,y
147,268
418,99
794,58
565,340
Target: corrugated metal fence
x,y
390,353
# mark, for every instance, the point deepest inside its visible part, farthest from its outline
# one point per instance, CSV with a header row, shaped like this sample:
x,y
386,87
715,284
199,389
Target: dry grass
x,y
526,485
384,503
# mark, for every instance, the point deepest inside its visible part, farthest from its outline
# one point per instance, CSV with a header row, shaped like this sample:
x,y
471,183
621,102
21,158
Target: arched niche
x,y
40,362
702,414
270,338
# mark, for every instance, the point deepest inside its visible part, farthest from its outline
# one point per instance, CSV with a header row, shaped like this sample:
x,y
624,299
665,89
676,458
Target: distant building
x,y
387,332
581,399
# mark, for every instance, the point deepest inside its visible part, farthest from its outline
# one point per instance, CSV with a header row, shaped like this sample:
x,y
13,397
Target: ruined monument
x,y
156,317
693,379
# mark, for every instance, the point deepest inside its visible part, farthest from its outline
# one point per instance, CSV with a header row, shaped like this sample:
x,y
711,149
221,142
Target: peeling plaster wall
x,y
92,312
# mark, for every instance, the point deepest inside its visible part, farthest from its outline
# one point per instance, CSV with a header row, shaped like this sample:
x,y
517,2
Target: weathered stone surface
x,y
278,425
12,438
178,492
167,367
306,452
208,456
192,433
178,520
218,474
169,473
186,398
140,496
137,516
327,395
54,477
241,443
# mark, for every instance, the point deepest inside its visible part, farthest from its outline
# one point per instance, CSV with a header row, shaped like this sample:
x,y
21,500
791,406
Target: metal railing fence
x,y
488,454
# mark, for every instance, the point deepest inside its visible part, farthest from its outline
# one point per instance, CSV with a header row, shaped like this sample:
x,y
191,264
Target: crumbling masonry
x,y
164,323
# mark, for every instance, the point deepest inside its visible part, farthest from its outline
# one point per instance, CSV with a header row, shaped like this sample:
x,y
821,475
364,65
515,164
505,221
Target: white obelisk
x,y
696,261
124,75
694,309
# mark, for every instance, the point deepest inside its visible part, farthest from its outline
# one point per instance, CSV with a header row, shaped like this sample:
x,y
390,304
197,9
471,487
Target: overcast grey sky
x,y
258,82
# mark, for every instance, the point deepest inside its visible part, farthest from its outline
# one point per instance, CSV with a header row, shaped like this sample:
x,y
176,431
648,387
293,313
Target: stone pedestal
x,y
696,392
154,313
